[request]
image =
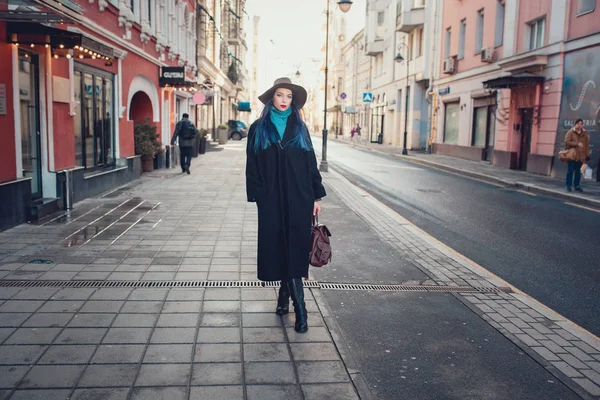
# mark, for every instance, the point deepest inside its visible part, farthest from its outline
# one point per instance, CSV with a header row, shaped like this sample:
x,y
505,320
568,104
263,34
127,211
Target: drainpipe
x,y
429,91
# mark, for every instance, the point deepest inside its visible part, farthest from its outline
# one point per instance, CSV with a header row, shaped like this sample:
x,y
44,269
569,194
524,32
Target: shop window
x,y
94,122
451,123
479,126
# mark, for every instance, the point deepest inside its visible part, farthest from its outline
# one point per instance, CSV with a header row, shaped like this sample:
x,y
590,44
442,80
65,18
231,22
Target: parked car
x,y
237,129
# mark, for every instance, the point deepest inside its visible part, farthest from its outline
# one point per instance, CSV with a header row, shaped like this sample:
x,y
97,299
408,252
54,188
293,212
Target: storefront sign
x,y
444,91
3,99
172,76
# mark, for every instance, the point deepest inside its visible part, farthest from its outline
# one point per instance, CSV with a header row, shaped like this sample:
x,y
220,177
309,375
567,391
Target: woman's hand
x,y
316,208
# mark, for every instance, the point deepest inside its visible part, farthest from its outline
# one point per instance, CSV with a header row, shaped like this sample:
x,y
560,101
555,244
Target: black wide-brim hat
x,y
299,94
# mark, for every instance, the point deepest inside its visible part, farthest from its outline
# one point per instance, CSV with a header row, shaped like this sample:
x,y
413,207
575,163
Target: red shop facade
x,y
74,81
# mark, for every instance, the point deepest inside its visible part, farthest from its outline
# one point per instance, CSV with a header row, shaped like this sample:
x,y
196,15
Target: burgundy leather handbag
x,y
320,251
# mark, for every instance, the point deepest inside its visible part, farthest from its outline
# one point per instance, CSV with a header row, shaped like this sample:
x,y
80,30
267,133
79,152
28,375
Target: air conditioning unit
x,y
449,65
487,55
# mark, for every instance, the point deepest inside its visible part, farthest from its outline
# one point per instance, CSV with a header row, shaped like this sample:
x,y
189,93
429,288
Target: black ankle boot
x,y
297,292
283,300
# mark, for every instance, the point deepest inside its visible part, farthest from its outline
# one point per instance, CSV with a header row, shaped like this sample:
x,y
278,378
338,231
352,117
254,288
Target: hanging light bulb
x,y
32,45
76,47
56,56
81,56
17,44
62,46
26,55
93,57
47,45
69,56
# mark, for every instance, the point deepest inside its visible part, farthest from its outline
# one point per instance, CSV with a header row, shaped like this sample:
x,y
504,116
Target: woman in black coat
x,y
283,179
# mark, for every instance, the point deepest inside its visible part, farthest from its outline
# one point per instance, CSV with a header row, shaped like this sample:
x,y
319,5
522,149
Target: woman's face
x,y
282,100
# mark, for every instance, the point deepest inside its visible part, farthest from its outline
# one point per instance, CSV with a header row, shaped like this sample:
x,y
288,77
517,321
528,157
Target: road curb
x,y
573,198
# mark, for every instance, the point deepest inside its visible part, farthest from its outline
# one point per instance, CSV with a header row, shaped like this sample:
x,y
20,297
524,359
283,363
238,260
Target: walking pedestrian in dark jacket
x,y
283,179
186,132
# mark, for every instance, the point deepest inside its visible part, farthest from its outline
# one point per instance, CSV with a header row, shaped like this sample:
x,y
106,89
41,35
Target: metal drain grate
x,y
248,284
414,288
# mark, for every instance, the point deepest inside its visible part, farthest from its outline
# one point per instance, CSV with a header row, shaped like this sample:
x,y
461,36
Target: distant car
x,y
237,129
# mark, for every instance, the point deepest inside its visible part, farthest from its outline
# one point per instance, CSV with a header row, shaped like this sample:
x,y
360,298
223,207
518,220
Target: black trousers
x,y
185,154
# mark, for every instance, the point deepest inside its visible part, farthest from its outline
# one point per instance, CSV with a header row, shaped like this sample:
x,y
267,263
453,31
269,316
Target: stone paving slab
x,y
211,353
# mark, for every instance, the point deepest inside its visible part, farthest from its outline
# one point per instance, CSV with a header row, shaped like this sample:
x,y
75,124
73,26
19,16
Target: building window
x,y
585,6
447,44
380,29
94,122
379,64
419,42
451,123
479,34
499,34
461,40
149,13
537,32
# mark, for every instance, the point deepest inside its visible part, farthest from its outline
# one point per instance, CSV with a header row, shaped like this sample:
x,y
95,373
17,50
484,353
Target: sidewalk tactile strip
x,y
251,284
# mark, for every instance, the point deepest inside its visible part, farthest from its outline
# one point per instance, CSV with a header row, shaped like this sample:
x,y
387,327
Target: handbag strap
x,y
315,220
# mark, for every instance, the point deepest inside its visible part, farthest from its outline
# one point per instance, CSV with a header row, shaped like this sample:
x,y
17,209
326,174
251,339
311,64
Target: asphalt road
x,y
542,246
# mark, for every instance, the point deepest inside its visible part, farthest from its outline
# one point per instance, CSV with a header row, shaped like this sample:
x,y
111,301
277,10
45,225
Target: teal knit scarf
x,y
279,119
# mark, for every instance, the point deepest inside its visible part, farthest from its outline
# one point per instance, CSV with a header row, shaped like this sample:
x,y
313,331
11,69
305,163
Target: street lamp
x,y
344,7
399,59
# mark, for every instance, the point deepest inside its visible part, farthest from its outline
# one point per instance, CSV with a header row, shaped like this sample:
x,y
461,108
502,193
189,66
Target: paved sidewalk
x,y
94,303
486,171
107,340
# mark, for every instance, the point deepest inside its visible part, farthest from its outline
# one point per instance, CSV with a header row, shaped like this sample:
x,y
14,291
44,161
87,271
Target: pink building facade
x,y
506,68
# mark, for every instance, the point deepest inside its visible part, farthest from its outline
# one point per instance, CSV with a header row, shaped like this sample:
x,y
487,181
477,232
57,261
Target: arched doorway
x,y
143,100
140,110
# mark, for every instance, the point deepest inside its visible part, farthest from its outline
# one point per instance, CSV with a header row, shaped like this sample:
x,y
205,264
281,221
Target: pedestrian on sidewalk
x,y
577,138
186,132
283,179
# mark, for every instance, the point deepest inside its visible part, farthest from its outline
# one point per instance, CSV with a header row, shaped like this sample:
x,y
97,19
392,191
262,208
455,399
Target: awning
x,y
511,81
45,11
62,42
244,106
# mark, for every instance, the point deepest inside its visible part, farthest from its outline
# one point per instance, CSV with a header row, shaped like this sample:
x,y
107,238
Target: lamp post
x,y
344,7
399,59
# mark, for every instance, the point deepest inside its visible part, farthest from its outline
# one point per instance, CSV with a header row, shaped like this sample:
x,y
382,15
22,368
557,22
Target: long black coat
x,y
284,181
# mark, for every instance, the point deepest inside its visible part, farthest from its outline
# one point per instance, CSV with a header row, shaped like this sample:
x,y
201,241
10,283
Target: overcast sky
x,y
291,36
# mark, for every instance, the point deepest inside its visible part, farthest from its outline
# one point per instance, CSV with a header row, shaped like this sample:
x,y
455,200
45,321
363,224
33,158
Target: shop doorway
x,y
526,125
29,103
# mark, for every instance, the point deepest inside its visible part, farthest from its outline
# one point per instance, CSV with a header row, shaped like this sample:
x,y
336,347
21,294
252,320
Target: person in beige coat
x,y
577,138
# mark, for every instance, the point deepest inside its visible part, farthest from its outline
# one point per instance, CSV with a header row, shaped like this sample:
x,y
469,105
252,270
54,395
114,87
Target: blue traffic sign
x,y
367,97
343,96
